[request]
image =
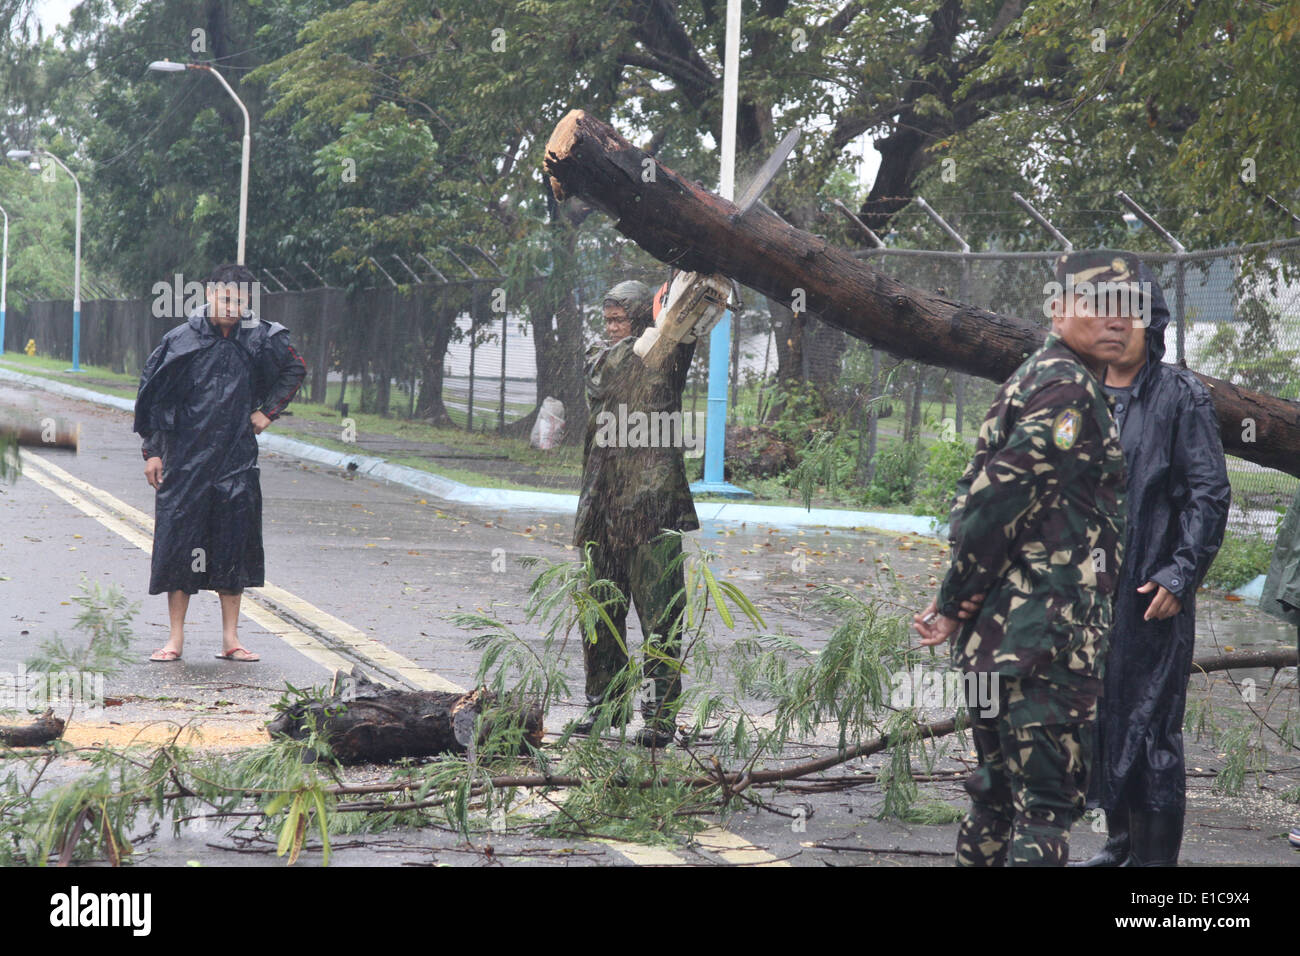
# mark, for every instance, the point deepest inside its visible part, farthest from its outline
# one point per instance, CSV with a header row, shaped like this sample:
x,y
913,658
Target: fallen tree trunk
x,y
367,723
47,727
686,226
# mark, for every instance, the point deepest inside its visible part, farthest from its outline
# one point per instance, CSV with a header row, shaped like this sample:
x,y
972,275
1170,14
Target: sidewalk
x,y
456,492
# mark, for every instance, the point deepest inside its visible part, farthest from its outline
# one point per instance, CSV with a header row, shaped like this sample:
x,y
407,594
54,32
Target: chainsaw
x,y
687,308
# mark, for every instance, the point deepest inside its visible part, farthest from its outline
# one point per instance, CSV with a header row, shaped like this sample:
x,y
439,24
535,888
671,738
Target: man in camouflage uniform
x,y
633,490
1037,531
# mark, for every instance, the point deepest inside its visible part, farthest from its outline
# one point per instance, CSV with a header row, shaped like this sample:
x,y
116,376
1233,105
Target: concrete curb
x,y
1252,590
445,489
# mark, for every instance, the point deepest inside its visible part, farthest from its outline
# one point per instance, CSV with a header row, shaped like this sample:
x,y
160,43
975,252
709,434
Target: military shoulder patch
x,y
1065,428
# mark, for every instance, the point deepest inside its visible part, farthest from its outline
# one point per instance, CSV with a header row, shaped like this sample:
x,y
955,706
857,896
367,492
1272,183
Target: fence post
x,y
1179,249
505,317
871,426
735,366
473,314
963,293
475,311
1039,218
505,322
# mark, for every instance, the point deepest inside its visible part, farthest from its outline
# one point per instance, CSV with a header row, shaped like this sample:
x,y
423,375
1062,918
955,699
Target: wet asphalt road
x,y
394,567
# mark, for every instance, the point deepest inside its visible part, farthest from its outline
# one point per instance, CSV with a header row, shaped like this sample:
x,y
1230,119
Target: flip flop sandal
x,y
230,655
164,656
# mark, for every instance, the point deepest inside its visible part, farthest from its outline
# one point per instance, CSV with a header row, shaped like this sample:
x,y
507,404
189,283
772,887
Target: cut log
x,y
684,225
365,722
34,436
46,728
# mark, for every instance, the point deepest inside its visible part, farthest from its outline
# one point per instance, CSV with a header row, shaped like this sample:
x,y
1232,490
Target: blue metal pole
x,y
715,429
4,280
76,338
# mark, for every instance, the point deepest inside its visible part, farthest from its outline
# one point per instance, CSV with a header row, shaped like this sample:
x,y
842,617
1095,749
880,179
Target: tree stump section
x,y
365,722
45,729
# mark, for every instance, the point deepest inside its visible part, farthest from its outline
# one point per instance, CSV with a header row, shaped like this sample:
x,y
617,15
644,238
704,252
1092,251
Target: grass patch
x,y
1240,559
94,377
1259,488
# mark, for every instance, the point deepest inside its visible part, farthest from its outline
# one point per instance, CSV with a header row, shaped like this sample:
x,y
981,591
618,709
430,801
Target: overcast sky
x,y
53,13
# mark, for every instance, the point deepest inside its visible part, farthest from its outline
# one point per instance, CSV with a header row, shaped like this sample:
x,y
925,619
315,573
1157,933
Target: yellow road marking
x,y
366,647
639,854
735,849
201,735
643,855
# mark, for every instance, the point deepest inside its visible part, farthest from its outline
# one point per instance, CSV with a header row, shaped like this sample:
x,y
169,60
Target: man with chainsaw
x,y
635,501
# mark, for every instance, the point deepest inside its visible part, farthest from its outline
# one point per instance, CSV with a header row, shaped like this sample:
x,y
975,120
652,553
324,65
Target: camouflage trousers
x,y
653,577
1028,790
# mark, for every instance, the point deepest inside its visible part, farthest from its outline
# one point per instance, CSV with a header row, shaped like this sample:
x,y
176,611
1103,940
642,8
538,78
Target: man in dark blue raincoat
x,y
1178,496
209,388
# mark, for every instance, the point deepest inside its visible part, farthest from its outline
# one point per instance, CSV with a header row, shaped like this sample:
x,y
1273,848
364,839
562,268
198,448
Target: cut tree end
x,y
560,145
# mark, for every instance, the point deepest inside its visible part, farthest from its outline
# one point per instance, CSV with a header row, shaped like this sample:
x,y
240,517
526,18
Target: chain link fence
x,y
463,352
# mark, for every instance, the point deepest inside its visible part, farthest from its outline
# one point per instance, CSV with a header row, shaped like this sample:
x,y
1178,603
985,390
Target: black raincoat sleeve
x,y
152,446
291,371
1198,460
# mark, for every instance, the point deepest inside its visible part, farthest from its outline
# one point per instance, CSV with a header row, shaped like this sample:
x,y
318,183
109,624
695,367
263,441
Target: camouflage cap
x,y
1104,271
636,298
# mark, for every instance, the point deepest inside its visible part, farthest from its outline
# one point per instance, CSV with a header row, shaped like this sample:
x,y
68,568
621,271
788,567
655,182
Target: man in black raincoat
x,y
211,386
1178,497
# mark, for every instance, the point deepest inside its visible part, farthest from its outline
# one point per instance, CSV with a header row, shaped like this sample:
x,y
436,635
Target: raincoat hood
x,y
1159,317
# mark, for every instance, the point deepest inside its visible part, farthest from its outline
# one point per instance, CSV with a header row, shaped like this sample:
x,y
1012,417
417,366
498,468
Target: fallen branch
x,y
1285,657
47,727
841,848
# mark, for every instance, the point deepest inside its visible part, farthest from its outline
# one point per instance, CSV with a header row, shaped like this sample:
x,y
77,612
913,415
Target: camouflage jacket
x,y
633,465
1037,526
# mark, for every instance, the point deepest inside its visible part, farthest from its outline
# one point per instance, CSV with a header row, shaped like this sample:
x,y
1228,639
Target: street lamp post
x,y
76,267
167,66
715,430
4,279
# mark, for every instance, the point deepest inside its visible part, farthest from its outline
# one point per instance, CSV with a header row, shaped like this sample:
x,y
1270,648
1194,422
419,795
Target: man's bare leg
x,y
178,603
230,601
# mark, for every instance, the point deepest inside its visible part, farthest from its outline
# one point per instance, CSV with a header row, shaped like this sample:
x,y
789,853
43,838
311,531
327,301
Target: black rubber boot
x,y
1157,837
659,729
1118,842
655,735
585,724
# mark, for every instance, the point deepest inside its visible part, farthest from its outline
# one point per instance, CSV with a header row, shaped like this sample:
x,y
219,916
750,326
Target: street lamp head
x,y
167,66
19,153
